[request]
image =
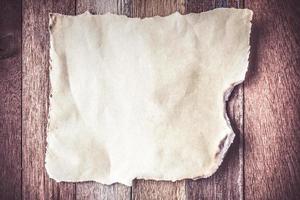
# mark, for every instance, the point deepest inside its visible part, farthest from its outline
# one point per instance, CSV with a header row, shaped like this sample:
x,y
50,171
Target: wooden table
x,y
263,162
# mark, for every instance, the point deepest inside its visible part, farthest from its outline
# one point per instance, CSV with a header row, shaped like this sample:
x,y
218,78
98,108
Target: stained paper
x,y
143,98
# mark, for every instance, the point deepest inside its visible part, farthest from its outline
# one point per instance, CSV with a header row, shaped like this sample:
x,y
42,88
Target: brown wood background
x,y
262,163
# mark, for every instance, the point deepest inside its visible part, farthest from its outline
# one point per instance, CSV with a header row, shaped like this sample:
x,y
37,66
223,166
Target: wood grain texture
x,y
10,99
35,90
262,163
227,182
93,190
146,8
272,102
152,190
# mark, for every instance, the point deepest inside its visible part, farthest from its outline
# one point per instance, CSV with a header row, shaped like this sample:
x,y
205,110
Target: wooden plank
x,y
35,90
227,182
121,7
152,190
144,8
148,189
10,99
92,190
272,103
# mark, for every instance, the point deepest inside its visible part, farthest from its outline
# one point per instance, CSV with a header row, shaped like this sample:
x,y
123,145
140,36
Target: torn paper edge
x,y
229,137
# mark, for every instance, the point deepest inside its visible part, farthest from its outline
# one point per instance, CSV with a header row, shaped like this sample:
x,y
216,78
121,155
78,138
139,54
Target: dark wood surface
x,y
272,102
10,99
262,163
35,90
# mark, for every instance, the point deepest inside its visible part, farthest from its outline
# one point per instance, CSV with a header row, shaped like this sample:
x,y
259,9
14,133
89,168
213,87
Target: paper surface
x,y
143,98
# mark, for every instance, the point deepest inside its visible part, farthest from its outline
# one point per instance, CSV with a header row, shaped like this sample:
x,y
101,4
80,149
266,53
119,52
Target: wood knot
x,y
7,46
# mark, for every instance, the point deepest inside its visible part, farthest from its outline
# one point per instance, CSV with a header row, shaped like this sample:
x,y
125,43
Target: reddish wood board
x,y
262,163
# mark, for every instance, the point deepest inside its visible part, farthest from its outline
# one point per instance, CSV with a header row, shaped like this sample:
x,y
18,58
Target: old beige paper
x,y
143,98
